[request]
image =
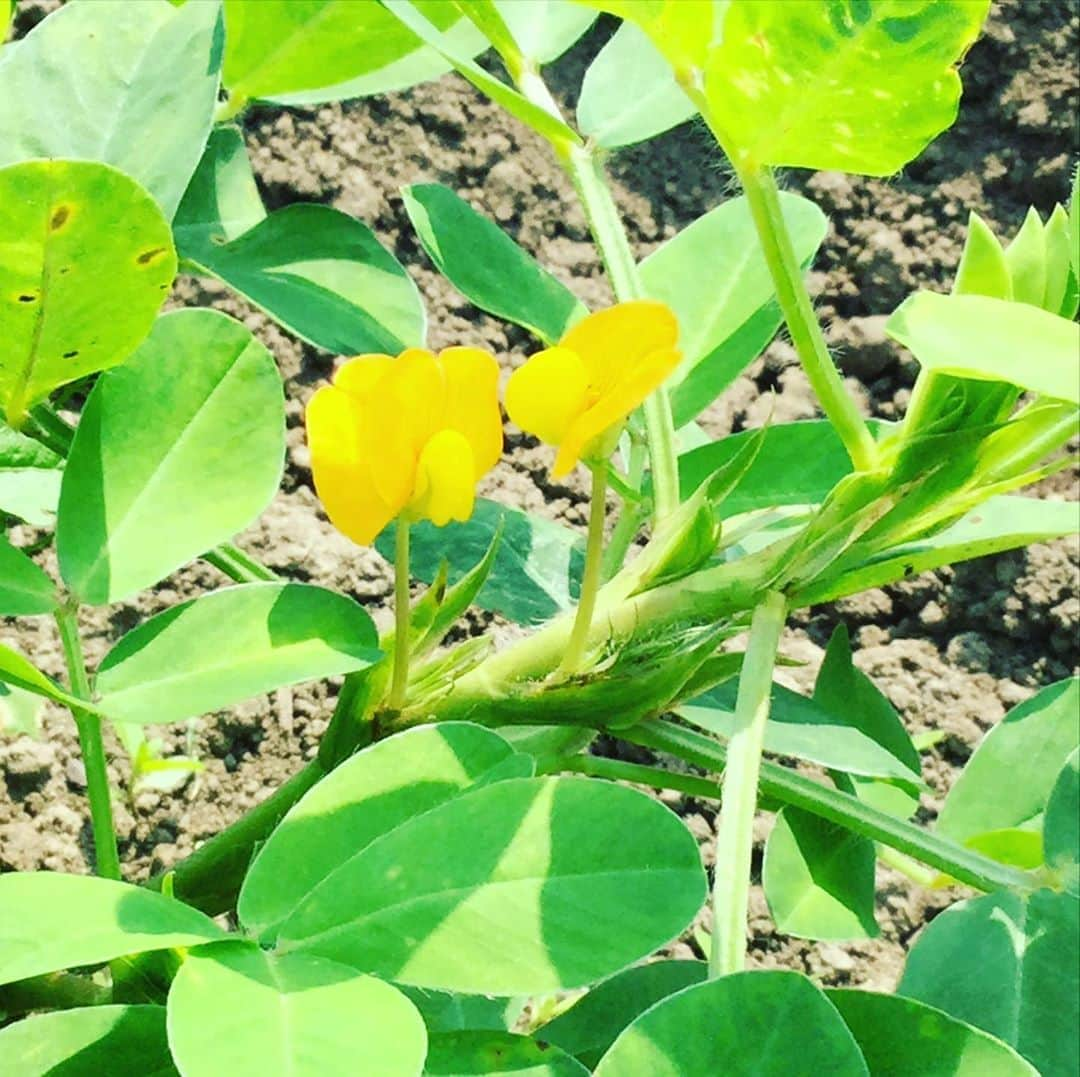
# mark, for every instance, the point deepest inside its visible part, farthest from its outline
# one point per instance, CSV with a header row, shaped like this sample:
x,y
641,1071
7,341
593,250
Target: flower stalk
x,y
400,678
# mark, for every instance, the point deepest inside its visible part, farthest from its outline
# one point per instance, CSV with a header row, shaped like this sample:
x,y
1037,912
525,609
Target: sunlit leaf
x,y
24,588
477,1054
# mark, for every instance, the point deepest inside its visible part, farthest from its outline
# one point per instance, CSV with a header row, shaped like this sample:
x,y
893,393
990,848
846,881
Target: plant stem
x,y
735,834
787,787
402,612
605,223
238,565
630,517
597,766
46,426
93,749
590,580
759,186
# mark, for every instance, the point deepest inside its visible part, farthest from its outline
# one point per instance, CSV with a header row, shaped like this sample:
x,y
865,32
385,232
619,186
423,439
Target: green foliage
x,y
486,265
1061,826
139,97
727,316
17,672
983,269
472,1054
86,259
594,1022
219,649
898,1035
29,478
819,878
177,451
94,1039
319,272
987,339
40,932
629,92
744,1014
1006,963
24,588
234,1008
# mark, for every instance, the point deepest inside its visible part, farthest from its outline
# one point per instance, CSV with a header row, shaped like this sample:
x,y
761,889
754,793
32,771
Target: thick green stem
x,y
735,834
596,766
238,565
590,580
93,749
806,335
781,784
402,611
606,225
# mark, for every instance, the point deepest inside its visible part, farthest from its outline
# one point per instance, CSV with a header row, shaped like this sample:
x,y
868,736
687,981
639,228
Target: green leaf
x,y
733,299
1001,523
235,1009
225,646
19,451
278,47
537,571
31,494
1061,826
475,1054
971,336
7,9
1008,964
24,588
844,689
486,265
993,792
1074,223
86,260
50,921
434,902
20,710
854,85
982,269
819,878
370,794
87,1042
177,451
1026,259
802,728
136,89
752,1020
445,1012
682,30
594,1022
901,1036
545,29
17,672
414,14
1056,237
629,92
319,272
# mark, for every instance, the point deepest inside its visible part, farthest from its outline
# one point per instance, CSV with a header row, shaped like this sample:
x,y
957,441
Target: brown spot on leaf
x,y
59,217
152,255
71,354
27,298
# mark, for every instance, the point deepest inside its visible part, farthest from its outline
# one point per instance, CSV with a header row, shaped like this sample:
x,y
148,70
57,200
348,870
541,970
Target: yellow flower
x,y
408,435
585,387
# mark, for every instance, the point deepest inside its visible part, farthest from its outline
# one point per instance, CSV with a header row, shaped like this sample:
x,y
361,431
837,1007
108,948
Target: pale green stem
x,y
630,517
106,857
759,187
590,579
400,680
735,834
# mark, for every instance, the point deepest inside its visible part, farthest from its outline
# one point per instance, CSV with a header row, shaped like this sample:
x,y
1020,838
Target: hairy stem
x,y
631,516
400,677
735,834
590,581
93,749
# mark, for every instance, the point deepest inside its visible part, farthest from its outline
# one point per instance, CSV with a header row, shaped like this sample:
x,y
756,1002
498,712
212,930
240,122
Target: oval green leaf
x,y
19,673
486,265
1061,826
86,259
24,589
484,894
899,1035
852,85
87,1042
319,272
475,1054
177,451
50,921
1010,965
140,96
235,1009
974,336
369,795
230,644
751,1020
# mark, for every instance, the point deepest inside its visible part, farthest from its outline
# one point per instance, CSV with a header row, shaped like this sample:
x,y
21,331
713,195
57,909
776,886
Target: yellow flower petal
x,y
613,407
341,467
360,374
472,403
445,480
547,393
614,341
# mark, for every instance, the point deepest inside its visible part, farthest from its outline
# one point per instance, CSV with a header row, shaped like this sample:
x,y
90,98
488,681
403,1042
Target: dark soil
x,y
952,649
